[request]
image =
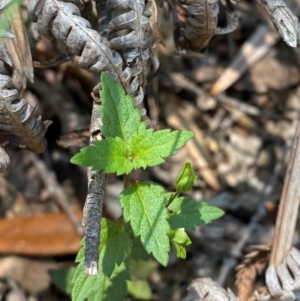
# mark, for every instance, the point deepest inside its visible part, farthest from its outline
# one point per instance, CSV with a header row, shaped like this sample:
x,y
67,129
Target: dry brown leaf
x,y
253,263
43,235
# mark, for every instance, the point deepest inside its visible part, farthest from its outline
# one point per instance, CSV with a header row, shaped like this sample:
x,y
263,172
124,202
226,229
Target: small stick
x,y
49,179
289,206
184,83
92,212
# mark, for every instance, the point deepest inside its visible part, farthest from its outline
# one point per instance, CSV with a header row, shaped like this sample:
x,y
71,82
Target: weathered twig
x,y
92,211
55,189
246,108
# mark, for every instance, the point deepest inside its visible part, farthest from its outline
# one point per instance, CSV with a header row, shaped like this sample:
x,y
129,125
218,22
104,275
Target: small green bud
x,y
185,178
179,240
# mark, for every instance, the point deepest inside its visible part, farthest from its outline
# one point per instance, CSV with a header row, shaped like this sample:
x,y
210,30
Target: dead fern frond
x,y
16,115
253,263
283,281
196,22
63,22
131,33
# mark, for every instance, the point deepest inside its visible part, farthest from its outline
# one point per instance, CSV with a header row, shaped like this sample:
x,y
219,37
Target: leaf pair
x,y
144,206
128,144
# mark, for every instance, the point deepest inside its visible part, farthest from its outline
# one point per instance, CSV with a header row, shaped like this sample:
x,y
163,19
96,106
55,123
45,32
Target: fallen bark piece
x,y
43,235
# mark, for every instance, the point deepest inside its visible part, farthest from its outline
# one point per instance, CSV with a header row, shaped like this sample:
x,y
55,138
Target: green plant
x,y
153,219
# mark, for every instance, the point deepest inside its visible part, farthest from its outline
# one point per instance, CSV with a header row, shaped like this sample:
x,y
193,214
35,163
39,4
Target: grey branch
x,y
92,212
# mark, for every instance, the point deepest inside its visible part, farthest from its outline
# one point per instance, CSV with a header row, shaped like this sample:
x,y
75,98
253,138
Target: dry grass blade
x,y
253,263
19,49
288,208
197,149
282,276
16,115
252,51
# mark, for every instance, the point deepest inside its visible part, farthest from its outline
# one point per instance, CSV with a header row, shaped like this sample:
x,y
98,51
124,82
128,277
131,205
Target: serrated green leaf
x,y
140,289
128,144
185,178
114,288
120,117
89,286
151,148
110,155
140,272
84,284
117,287
113,155
187,213
138,252
118,247
144,206
179,240
142,269
62,278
